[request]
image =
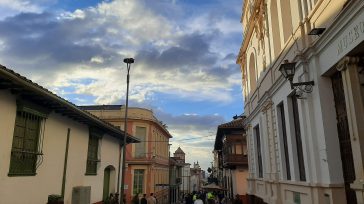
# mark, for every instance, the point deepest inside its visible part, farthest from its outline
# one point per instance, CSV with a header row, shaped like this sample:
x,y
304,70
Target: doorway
x,y
344,137
109,181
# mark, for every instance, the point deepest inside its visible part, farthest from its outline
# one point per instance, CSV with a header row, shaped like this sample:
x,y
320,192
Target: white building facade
x,y
51,147
304,147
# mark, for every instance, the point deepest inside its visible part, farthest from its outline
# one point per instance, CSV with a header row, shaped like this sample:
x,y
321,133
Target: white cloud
x,y
180,56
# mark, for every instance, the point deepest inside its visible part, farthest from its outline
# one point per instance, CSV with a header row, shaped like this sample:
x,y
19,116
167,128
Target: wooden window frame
x,y
297,133
93,152
142,144
282,127
26,151
259,151
138,181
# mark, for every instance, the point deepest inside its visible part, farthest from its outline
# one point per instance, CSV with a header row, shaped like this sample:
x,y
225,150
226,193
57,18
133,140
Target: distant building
x,y
175,179
196,177
147,162
51,147
232,160
180,156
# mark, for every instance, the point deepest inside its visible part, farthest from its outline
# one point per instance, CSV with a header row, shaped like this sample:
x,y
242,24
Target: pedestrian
x,y
151,199
198,200
144,199
135,199
237,200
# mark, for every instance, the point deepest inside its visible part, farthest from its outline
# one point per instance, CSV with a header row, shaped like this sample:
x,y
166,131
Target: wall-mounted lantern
x,y
288,69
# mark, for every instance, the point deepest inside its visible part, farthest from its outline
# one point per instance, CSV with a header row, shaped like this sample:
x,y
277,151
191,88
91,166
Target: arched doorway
x,y
109,182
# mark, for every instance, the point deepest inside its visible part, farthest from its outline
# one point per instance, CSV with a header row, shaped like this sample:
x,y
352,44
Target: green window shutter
x,y
140,133
92,153
25,148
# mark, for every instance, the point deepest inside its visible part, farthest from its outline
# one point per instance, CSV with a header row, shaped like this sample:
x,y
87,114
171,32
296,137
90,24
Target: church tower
x,y
180,154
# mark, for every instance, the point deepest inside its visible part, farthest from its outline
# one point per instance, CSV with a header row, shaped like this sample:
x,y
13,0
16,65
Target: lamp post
x,y
128,62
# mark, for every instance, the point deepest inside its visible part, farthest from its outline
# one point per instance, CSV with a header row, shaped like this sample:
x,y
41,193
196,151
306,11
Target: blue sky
x,y
184,50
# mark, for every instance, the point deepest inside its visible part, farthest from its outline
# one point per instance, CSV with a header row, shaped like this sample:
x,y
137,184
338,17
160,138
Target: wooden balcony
x,y
234,160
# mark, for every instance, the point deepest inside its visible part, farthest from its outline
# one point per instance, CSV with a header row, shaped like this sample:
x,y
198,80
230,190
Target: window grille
x,y
26,152
93,152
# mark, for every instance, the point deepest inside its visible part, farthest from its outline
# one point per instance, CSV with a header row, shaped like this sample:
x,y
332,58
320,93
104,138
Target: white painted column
x,y
349,67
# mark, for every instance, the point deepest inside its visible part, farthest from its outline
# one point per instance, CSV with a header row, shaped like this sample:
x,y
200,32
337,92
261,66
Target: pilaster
x,y
352,70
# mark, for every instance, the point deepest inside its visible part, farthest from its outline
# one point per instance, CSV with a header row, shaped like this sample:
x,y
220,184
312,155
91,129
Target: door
x,y
106,190
344,137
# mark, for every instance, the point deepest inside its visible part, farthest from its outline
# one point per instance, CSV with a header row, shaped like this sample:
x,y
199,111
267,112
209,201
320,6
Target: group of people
x,y
210,197
151,199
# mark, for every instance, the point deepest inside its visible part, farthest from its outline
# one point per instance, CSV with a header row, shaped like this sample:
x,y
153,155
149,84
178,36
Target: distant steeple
x,y
180,154
179,151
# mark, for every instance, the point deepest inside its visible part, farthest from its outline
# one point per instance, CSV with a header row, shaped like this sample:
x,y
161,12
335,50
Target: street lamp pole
x,y
128,62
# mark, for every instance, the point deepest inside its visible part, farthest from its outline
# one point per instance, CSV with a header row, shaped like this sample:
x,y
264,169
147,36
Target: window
x,y
259,152
140,133
27,140
138,181
283,133
93,152
297,131
252,73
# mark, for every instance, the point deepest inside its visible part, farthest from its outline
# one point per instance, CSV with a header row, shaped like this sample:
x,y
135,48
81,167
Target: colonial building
x,y
175,179
51,147
180,156
302,68
148,161
232,159
196,177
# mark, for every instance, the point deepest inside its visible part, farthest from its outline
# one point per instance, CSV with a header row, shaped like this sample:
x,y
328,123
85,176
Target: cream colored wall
x,y
35,189
240,181
315,56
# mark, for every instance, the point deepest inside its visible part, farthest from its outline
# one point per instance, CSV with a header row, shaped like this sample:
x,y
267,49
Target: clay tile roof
x,y
179,151
20,85
237,123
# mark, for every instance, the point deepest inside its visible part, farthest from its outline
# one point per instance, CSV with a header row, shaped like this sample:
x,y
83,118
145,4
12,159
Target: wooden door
x,y
344,137
106,190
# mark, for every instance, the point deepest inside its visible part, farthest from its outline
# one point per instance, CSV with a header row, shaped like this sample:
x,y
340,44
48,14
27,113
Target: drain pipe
x,y
65,163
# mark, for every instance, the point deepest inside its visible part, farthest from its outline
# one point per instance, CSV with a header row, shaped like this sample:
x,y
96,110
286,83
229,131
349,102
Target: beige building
x,y
51,147
305,131
147,162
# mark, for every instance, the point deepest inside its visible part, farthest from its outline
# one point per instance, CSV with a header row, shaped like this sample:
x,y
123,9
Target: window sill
x,y
90,174
20,174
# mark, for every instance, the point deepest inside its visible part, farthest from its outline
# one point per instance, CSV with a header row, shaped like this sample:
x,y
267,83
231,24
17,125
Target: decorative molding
x,y
348,61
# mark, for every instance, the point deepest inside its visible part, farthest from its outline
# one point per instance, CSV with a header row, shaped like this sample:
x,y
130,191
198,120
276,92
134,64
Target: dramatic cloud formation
x,y
185,50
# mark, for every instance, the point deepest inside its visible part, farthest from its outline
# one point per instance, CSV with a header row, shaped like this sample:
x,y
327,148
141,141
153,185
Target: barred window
x,y
26,151
93,152
138,181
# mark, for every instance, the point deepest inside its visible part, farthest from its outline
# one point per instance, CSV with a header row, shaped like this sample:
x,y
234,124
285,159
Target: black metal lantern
x,y
288,69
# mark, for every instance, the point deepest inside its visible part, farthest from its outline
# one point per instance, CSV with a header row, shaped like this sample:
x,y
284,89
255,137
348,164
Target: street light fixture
x,y
128,62
288,70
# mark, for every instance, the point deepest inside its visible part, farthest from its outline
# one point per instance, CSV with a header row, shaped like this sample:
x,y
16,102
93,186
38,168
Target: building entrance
x,y
344,137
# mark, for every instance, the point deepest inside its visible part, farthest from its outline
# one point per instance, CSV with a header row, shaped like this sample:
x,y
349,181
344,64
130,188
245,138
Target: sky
x,y
185,58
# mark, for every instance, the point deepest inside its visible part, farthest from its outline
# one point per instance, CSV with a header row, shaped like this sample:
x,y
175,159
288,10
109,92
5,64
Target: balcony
x,y
232,161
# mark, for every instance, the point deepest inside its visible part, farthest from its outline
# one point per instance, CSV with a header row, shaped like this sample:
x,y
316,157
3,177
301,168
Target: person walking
x,y
198,200
144,199
135,199
237,200
151,199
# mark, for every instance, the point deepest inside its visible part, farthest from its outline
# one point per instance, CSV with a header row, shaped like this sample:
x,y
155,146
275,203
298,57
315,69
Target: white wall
x,y
48,180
